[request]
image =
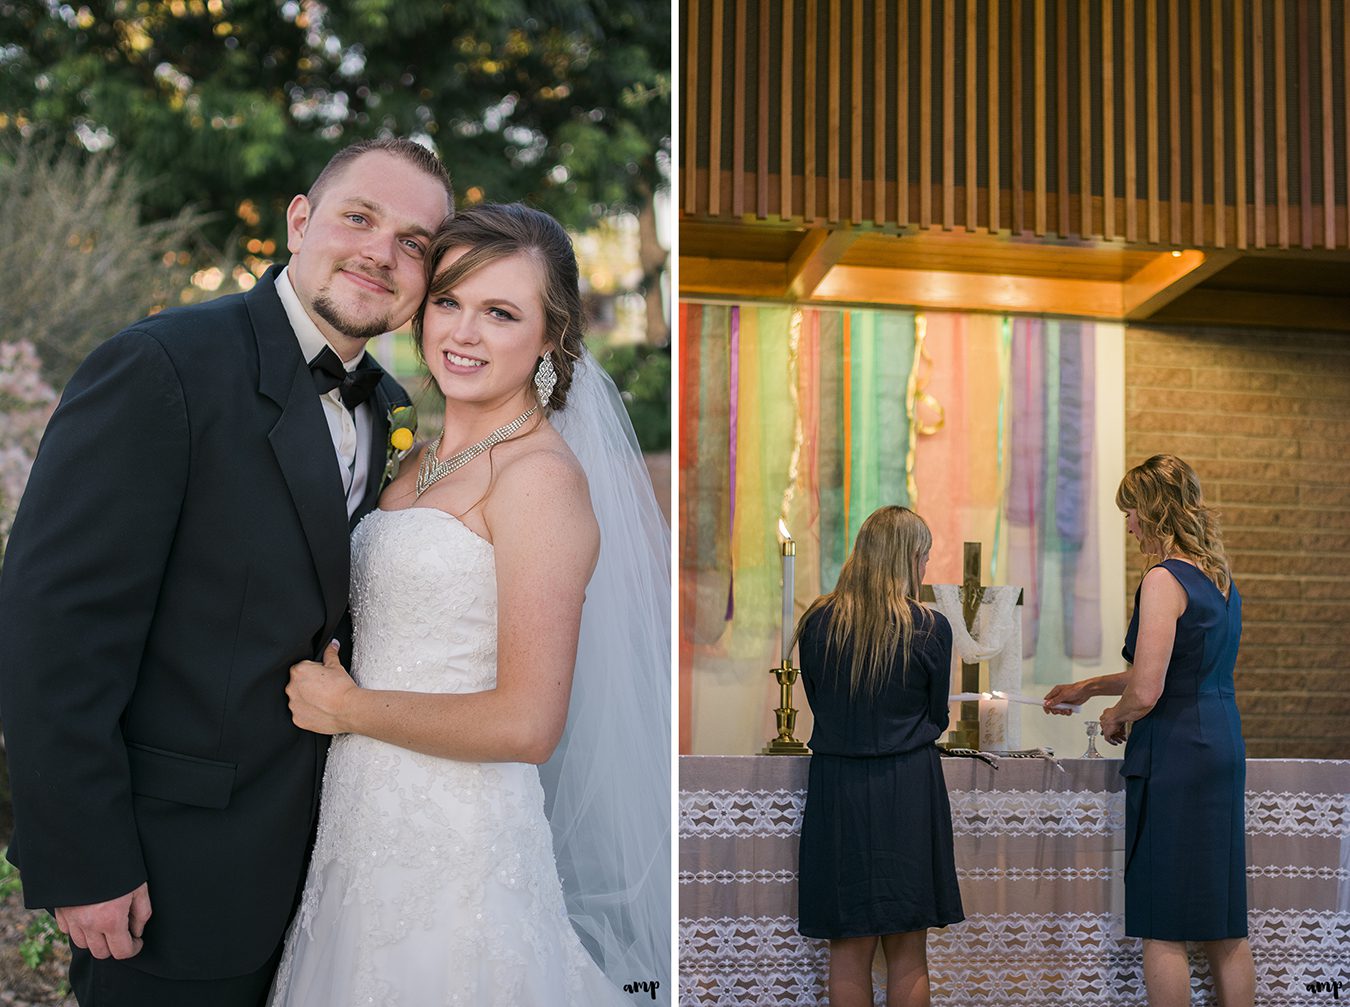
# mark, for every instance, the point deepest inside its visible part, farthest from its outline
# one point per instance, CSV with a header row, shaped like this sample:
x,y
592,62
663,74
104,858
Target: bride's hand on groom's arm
x,y
317,693
111,929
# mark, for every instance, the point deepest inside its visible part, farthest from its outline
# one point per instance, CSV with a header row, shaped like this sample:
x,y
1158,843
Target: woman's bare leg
x,y
906,969
1230,962
851,971
1167,974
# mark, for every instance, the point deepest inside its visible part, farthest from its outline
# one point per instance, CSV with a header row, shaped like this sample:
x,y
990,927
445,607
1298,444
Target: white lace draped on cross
x,y
433,881
997,638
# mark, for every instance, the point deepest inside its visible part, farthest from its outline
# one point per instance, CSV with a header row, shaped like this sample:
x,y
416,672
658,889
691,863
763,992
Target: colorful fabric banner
x,y
805,415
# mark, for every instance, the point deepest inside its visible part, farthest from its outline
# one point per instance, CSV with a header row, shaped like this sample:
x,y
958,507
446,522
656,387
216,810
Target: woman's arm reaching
x,y
1077,693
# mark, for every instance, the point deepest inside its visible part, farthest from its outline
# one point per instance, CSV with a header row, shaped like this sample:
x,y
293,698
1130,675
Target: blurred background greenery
x,y
148,150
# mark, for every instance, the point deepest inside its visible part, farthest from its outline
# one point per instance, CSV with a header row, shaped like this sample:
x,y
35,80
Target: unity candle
x,y
993,723
788,549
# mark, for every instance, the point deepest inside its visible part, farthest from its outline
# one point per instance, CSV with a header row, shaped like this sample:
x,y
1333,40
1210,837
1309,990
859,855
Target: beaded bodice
x,y
424,603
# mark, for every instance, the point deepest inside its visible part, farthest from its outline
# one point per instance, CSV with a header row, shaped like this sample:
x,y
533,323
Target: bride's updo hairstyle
x,y
494,231
1164,493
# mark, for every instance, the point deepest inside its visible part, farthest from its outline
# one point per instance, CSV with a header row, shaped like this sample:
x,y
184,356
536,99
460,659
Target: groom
x,y
182,543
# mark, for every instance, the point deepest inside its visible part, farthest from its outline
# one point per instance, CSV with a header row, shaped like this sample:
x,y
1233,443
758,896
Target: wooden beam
x,y
786,171
1108,124
952,291
1240,125
879,118
949,62
1258,127
1166,278
762,140
730,278
1250,309
820,250
716,110
994,177
972,131
1219,200
692,111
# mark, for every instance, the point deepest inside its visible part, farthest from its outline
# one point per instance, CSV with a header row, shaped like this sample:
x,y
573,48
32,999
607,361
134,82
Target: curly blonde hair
x,y
875,599
1164,492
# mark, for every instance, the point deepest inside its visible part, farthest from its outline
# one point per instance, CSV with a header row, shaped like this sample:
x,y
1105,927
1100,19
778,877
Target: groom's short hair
x,y
404,149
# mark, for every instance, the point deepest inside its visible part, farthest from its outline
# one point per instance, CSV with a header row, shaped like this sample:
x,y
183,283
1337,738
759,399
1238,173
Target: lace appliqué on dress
x,y
432,881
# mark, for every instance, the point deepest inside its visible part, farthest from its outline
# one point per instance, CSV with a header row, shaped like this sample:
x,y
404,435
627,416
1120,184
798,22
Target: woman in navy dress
x,y
1185,762
876,859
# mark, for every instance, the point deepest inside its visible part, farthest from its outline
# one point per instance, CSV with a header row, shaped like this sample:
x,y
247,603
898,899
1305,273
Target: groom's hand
x,y
108,929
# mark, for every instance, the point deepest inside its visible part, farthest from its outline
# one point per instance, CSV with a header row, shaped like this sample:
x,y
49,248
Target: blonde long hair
x,y
871,602
1164,492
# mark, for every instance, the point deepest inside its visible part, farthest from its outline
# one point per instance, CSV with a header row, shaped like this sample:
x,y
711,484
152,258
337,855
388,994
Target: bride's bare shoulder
x,y
541,491
544,459
546,468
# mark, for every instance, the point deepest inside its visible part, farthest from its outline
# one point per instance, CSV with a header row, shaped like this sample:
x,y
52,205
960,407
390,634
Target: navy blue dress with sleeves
x,y
1185,777
876,845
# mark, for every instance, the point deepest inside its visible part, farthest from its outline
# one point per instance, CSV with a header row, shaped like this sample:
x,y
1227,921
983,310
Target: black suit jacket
x,y
183,540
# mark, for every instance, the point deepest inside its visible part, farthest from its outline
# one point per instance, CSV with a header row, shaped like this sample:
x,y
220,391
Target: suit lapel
x,y
297,438
388,395
379,440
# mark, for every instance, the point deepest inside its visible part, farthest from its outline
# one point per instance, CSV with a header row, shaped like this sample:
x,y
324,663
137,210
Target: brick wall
x,y
1264,418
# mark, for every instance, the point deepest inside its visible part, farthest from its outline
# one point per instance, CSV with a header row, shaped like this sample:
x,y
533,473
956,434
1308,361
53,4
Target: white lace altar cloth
x,y
1040,861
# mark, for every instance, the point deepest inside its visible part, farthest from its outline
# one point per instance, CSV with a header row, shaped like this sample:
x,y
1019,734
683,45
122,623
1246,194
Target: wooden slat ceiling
x,y
1128,159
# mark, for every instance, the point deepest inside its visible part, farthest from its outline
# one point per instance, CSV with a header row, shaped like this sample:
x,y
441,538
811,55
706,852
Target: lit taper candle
x,y
788,548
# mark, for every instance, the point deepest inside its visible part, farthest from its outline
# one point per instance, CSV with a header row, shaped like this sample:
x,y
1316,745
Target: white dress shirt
x,y
351,434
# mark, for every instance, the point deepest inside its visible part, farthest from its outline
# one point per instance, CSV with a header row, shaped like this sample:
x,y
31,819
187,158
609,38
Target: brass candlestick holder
x,y
785,743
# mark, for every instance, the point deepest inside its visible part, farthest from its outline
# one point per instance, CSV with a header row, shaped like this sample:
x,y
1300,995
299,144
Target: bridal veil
x,y
607,785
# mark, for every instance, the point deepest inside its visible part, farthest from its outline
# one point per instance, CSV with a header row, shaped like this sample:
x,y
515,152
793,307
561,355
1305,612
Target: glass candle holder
x,y
1093,728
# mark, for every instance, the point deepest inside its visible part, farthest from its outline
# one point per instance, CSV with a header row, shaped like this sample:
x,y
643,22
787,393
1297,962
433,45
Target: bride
x,y
521,564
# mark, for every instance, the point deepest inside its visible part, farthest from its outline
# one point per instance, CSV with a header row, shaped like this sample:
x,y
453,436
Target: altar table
x,y
1039,854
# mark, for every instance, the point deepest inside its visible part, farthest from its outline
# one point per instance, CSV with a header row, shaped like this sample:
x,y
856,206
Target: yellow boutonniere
x,y
402,431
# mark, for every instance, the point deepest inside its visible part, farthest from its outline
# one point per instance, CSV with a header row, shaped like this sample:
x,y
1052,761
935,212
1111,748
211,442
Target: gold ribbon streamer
x,y
916,396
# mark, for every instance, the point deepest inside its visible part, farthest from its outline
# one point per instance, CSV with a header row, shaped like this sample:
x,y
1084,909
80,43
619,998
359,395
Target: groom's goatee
x,y
332,314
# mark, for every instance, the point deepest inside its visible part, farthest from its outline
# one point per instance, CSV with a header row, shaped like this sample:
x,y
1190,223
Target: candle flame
x,y
783,530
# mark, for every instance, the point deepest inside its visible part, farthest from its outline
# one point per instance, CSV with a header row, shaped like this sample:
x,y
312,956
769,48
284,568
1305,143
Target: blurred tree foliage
x,y
79,260
642,372
234,105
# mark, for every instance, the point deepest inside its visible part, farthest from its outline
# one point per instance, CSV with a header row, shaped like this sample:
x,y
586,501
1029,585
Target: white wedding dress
x,y
433,881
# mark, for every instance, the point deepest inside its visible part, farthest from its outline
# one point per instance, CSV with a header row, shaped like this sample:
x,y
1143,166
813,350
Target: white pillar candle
x,y
993,725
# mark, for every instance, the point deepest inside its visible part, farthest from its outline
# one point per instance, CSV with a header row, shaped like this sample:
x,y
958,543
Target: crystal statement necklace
x,y
432,471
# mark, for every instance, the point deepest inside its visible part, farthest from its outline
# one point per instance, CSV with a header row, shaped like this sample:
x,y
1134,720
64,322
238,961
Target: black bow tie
x,y
354,386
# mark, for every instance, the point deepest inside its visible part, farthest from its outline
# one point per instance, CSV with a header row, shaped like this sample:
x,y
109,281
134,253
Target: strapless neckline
x,y
434,510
